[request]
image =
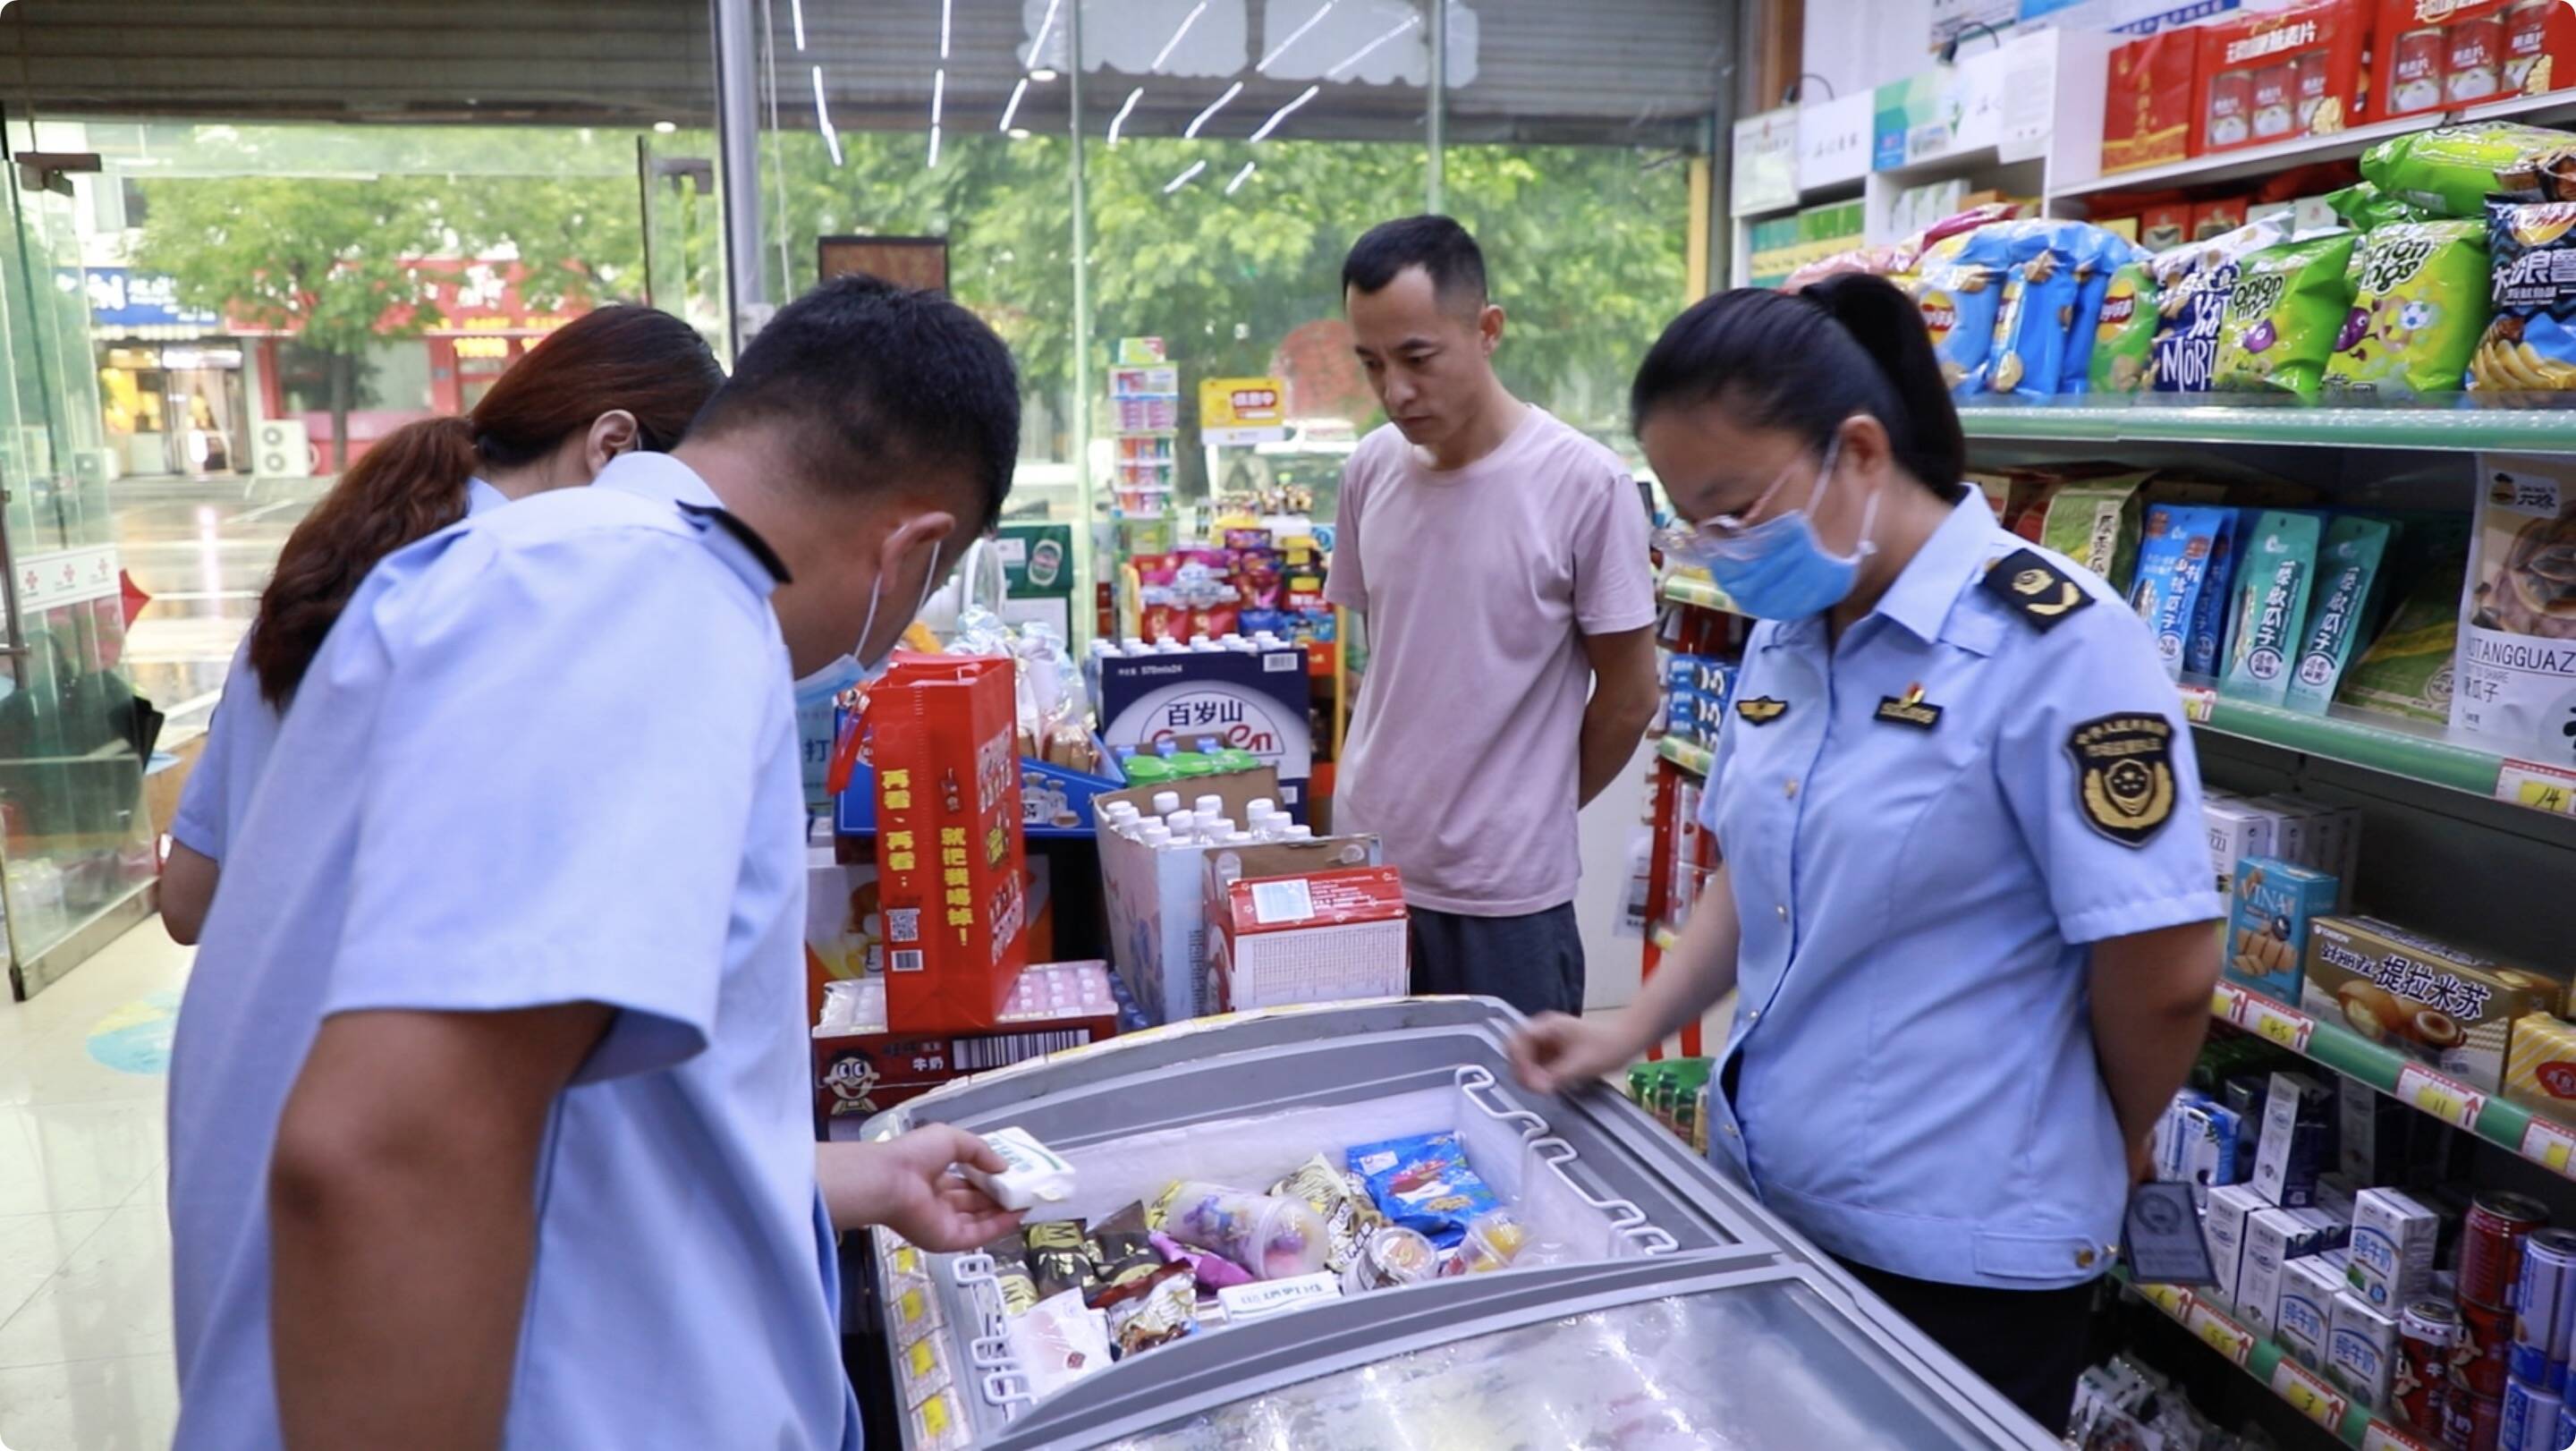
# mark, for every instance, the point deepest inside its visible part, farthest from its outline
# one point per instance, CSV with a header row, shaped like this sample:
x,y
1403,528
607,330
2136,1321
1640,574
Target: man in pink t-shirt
x,y
1500,559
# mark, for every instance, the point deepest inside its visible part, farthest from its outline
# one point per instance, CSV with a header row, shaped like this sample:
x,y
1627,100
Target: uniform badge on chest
x,y
1910,709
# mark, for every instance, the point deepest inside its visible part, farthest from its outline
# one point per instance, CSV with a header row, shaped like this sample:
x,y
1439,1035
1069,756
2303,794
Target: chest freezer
x,y
1679,1312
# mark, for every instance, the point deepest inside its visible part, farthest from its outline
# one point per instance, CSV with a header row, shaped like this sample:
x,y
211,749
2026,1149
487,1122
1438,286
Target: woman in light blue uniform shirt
x,y
609,382
1966,907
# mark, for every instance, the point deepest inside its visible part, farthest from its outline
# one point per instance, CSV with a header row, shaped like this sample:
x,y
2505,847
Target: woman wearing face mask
x,y
1965,904
611,381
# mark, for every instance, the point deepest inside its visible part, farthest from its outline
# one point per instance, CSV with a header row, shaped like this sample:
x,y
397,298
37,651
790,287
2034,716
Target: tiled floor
x,y
85,1360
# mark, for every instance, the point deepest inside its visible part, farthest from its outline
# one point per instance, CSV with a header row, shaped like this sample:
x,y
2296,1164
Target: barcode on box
x,y
905,960
1282,660
974,1055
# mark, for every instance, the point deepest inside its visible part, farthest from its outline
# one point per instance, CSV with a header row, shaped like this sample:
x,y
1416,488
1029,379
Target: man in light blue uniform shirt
x,y
490,1120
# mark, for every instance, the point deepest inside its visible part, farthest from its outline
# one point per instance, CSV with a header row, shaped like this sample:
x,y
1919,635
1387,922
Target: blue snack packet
x,y
2172,570
2209,613
2098,254
1424,1184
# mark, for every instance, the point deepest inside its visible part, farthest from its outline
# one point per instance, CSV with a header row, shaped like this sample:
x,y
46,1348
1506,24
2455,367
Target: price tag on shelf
x,y
2286,1026
2220,1333
2174,1300
2199,703
2230,1003
2381,1436
2542,788
2308,1393
2447,1099
2550,1145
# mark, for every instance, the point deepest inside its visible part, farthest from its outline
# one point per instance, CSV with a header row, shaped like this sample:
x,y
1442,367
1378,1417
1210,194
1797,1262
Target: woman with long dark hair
x,y
611,381
1965,904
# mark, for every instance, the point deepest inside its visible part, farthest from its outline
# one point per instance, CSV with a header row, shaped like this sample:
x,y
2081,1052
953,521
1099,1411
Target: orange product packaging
x,y
2167,224
2284,73
2147,103
942,734
2434,55
2217,217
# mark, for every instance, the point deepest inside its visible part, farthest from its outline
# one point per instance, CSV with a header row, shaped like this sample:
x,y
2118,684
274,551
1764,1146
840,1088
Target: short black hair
x,y
1437,245
876,381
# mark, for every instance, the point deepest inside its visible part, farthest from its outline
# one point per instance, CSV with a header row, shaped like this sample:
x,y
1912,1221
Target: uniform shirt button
x,y
1755,1016
1789,788
1783,910
2084,1258
1730,1131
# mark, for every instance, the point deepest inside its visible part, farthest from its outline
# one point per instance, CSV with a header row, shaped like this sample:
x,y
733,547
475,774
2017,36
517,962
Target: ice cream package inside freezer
x,y
1182,1232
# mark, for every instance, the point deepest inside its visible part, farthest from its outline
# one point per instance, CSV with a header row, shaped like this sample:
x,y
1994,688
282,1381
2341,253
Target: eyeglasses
x,y
1686,539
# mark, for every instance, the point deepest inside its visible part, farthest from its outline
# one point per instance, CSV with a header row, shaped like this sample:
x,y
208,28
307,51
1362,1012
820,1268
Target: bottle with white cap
x,y
1155,834
1181,824
1240,838
1134,645
1297,832
1210,805
1165,802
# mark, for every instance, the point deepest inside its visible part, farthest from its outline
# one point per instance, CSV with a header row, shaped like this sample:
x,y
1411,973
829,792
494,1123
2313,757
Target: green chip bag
x,y
2419,306
2124,331
2364,206
2449,170
2284,316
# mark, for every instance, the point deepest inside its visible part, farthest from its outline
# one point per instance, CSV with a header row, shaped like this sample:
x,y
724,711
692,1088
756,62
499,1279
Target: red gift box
x,y
1323,936
942,735
2147,103
2270,77
1053,1007
2432,55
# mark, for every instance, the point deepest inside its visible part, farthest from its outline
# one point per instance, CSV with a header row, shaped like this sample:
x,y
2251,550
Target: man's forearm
x,y
395,1304
1611,731
2150,1014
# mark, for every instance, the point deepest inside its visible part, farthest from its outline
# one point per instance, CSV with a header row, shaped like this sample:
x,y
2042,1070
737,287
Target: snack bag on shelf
x,y
2285,315
2099,256
1960,290
1884,259
2195,282
2271,608
2530,342
2208,641
2173,566
2124,331
2407,670
2419,305
2346,596
2038,311
2449,170
2364,207
2095,523
2517,650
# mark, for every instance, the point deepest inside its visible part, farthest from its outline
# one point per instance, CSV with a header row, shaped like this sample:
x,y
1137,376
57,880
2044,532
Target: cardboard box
x,y
2274,1239
2222,1224
2360,1349
2266,78
2303,1318
2270,904
2291,1153
2437,54
2436,1003
2371,1145
844,923
1051,1007
2147,101
2540,1066
951,867
2095,523
1157,900
2393,1238
1251,701
2237,830
2218,217
1316,937
2165,225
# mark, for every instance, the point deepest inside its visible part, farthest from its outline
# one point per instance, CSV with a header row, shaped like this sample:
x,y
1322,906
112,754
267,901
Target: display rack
x,y
2502,422
2304,1390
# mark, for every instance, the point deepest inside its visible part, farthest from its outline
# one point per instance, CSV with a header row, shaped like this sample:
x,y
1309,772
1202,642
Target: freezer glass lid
x,y
1763,1365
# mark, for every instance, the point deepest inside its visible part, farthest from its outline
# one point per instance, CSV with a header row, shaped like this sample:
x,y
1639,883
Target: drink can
x,y
2231,95
2420,1383
2415,71
2528,1419
2491,1246
2474,69
2541,1306
2479,1359
2470,1423
2274,101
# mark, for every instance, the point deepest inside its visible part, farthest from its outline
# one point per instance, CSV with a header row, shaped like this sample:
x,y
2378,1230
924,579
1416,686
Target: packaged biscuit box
x,y
2147,100
2442,1005
2270,906
2517,643
2292,71
2540,1069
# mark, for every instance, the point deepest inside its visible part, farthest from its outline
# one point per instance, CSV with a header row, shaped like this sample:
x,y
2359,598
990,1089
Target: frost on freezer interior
x,y
1756,1366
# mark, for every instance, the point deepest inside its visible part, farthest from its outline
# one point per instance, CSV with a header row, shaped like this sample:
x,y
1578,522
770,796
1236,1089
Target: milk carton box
x,y
2303,1319
2223,1226
2274,1240
2393,1235
2360,1349
2292,1149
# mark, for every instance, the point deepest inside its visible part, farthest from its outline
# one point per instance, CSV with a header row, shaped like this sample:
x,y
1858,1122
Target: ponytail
x,y
411,484
1849,343
407,486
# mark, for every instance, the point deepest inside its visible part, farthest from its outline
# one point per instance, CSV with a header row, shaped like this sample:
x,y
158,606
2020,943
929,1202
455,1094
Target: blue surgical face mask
x,y
816,692
1777,570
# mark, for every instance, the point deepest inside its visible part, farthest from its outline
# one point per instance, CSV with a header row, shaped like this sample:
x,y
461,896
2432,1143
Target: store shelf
x,y
2251,161
1688,589
2524,422
2543,1141
2306,1391
2419,751
1694,759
